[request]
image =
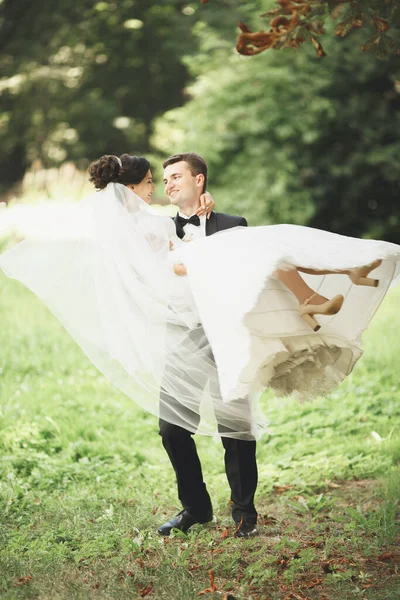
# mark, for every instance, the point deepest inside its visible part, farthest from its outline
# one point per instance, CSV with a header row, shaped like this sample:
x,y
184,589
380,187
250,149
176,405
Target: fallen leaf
x,y
282,488
385,556
314,583
298,597
331,484
225,534
23,581
194,568
267,520
143,592
212,588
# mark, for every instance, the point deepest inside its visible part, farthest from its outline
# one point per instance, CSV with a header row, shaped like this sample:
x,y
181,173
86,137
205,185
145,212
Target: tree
x,y
292,139
293,22
82,78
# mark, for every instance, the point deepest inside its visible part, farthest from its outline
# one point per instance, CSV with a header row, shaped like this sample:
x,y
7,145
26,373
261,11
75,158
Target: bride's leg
x,y
318,271
310,302
358,275
296,284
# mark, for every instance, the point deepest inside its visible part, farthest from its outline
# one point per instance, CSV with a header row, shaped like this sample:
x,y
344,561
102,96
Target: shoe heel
x,y
313,323
368,281
359,276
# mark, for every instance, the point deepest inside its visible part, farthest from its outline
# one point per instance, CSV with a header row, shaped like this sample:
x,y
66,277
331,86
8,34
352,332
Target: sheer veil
x,y
105,272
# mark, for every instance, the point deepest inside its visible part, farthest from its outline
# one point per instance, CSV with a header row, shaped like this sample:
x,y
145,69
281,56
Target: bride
x,y
138,300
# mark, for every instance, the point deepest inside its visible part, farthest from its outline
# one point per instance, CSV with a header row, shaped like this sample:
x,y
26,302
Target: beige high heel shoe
x,y
359,275
330,307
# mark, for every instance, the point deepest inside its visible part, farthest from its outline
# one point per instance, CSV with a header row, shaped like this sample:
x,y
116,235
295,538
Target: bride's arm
x,y
206,205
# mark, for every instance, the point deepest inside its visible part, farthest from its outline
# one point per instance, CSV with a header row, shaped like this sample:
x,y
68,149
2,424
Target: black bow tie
x,y
194,220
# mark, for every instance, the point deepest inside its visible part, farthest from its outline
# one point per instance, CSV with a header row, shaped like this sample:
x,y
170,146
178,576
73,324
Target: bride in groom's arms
x,y
240,317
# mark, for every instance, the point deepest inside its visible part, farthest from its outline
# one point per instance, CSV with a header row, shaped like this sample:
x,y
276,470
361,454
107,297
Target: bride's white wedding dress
x,y
252,320
107,275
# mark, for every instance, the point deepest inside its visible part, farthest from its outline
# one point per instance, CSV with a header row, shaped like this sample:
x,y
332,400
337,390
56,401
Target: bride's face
x,y
145,188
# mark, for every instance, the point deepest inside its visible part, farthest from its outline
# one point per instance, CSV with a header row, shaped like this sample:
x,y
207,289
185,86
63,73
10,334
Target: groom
x,y
185,179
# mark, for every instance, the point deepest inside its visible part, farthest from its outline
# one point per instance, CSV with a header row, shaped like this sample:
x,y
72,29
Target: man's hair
x,y
197,164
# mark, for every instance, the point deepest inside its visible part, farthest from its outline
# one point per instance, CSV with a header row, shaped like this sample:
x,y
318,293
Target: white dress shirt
x,y
191,230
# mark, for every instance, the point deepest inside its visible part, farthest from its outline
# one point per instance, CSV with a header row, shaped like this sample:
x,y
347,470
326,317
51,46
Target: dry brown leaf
x,y
225,534
145,591
282,488
385,556
212,588
333,485
314,582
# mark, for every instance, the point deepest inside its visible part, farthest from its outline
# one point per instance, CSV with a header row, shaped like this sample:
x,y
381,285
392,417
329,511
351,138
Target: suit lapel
x,y
211,224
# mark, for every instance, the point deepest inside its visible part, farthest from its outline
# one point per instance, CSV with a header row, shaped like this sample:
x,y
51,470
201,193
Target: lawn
x,y
85,482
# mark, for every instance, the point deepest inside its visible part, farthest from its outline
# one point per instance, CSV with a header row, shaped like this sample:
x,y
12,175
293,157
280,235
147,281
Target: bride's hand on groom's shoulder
x,y
206,205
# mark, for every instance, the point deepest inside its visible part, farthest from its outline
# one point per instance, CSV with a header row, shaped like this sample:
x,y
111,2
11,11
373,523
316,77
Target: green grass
x,y
84,482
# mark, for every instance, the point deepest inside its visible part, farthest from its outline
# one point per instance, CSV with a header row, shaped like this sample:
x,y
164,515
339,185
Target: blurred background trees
x,y
288,137
81,79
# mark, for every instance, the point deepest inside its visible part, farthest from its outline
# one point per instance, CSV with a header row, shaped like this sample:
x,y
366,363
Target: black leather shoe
x,y
245,530
182,521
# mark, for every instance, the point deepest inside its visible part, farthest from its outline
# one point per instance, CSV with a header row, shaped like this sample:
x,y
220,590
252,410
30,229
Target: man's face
x,y
180,185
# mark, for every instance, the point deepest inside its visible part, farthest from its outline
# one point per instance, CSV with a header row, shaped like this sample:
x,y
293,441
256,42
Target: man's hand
x,y
180,270
206,205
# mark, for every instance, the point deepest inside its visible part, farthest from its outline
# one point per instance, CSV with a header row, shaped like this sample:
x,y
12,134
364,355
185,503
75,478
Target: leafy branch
x,y
294,22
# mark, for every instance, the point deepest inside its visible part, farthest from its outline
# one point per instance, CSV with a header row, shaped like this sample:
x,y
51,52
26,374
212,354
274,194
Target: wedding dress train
x,y
199,349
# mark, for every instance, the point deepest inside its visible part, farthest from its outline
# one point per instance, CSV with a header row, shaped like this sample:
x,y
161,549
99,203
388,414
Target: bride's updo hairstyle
x,y
126,170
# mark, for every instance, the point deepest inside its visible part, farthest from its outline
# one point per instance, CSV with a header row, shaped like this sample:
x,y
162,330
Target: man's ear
x,y
200,180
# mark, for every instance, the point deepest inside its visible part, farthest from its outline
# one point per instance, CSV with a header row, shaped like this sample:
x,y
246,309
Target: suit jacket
x,y
216,222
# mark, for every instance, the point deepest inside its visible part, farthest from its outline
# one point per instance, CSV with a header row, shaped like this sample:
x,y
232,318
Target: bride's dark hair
x,y
107,169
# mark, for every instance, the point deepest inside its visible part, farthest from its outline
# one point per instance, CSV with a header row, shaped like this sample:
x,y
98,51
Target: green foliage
x,y
82,79
290,138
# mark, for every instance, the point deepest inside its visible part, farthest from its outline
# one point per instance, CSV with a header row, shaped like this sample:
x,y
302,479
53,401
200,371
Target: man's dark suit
x,y
240,455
